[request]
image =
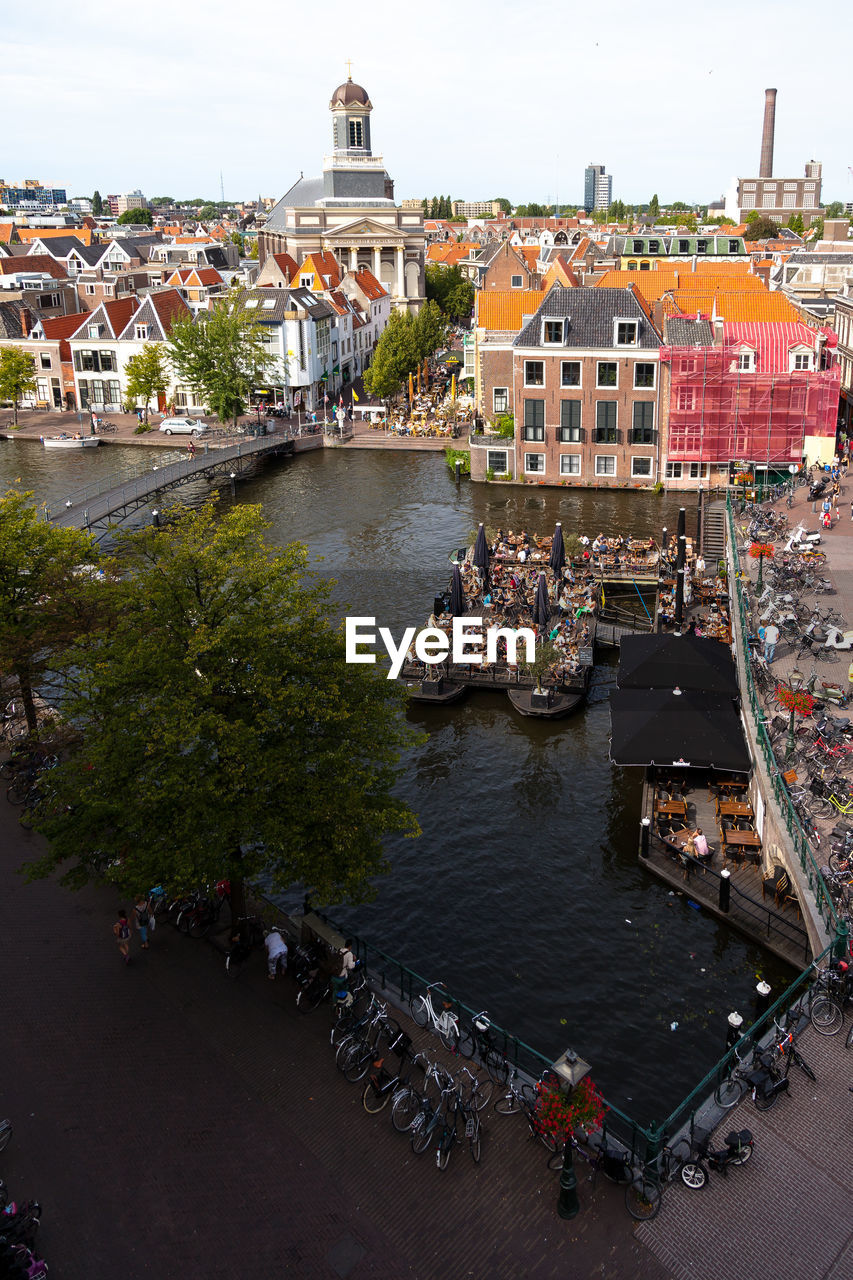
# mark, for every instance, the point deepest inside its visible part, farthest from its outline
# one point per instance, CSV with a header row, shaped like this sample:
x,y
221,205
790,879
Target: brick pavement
x,y
176,1124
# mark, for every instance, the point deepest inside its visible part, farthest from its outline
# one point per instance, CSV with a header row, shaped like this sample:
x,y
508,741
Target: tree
x,y
722,221
834,210
816,229
224,736
253,250
654,208
430,329
237,239
505,205
395,357
208,213
97,204
795,222
453,291
761,228
45,602
135,217
147,374
433,208
221,354
17,376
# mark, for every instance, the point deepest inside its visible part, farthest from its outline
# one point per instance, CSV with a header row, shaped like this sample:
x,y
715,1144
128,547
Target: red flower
x,y
762,549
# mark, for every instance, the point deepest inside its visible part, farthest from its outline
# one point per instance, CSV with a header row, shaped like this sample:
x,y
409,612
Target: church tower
x,y
352,172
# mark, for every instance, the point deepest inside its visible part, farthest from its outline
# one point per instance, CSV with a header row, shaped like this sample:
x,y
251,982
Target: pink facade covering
x,y
755,397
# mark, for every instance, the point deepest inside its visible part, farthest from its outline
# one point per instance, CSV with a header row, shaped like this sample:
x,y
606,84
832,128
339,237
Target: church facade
x,y
350,212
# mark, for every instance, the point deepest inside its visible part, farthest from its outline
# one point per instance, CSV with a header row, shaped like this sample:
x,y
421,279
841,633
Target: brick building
x,y
586,392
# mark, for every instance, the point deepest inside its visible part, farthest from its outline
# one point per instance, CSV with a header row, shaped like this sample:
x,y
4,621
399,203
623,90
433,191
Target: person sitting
x,y
701,848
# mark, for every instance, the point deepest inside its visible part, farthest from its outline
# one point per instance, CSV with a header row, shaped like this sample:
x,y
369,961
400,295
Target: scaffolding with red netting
x,y
719,411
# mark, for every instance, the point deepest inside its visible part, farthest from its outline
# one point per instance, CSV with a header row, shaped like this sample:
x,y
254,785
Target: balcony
x,y
352,160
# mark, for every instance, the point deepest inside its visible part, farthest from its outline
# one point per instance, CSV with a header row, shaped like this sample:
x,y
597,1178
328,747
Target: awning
x,y
689,729
688,661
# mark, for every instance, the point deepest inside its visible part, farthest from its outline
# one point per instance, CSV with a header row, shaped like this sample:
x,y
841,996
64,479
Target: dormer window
x,y
554,331
654,246
637,246
94,331
684,246
626,333
701,246
306,281
734,246
141,332
800,361
746,361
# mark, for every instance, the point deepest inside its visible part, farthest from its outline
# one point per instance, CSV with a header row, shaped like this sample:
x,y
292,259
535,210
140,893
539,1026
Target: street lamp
x,y
795,681
570,1070
793,469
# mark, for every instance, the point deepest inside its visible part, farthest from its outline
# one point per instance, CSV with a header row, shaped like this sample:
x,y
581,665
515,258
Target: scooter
x,y
801,538
766,1082
738,1149
834,693
836,639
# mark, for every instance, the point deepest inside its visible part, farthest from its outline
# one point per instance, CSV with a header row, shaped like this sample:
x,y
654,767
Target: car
x,y
183,426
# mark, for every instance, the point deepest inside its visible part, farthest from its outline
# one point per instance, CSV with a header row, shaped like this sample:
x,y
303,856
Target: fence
x,y
799,839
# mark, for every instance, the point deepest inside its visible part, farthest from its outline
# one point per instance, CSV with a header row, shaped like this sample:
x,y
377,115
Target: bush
x,y
142,428
452,456
505,426
657,487
490,473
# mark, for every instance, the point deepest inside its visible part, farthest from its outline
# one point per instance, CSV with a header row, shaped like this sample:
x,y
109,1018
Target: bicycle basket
x,y
401,1044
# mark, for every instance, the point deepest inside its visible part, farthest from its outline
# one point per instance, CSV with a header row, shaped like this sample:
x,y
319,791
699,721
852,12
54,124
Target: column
x,y
353,259
377,263
401,275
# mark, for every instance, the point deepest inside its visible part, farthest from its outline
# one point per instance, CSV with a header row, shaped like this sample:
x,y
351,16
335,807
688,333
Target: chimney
x,y
26,322
765,168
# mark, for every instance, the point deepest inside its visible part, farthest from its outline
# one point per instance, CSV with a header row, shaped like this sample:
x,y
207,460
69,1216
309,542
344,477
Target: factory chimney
x,y
765,168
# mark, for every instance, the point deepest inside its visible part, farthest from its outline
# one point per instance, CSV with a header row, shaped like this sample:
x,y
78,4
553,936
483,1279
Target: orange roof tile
x,y
28,234
505,309
656,284
369,285
559,273
34,262
286,264
738,307
324,265
169,306
6,232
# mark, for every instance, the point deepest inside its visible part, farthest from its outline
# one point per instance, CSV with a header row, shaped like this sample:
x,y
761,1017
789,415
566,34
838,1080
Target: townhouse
x,y
586,392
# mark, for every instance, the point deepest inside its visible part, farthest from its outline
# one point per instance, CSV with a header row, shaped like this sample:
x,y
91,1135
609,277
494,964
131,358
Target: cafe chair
x,y
782,889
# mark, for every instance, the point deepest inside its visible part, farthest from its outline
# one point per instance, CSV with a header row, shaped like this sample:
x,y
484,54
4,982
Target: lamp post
x,y
793,468
795,682
570,1070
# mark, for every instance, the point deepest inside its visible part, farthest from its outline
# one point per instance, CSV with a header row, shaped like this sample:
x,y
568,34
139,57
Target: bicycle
x,y
525,1100
642,1190
408,1102
732,1088
479,1041
104,427
248,935
828,1000
445,1024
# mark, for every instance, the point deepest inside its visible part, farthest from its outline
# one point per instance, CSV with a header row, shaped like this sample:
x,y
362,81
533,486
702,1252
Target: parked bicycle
x,y
445,1023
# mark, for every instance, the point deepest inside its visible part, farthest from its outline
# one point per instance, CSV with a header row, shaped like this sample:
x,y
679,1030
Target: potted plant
x,y
559,1112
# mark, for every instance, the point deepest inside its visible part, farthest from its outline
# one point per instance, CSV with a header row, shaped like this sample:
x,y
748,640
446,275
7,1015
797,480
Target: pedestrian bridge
x,y
111,500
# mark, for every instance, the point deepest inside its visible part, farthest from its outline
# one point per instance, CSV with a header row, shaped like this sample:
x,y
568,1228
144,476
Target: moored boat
x,y
440,691
552,702
65,441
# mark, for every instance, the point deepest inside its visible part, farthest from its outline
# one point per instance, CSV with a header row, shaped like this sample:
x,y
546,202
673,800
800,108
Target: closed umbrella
x,y
541,603
457,594
481,553
411,389
558,551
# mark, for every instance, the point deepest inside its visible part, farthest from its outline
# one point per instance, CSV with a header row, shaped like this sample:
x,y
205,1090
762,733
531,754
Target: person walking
x,y
191,447
121,933
142,919
771,639
276,953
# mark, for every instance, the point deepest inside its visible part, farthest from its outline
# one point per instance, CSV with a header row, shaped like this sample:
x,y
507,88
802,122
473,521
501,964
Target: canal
x,y
524,892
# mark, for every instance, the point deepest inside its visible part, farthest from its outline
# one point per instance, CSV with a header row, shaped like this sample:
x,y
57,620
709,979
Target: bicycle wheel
x,y
465,1042
803,1065
693,1174
448,1034
497,1066
848,1043
508,1105
826,1016
358,1063
406,1106
422,1135
475,1141
375,1100
482,1095
19,790
764,1101
743,1155
445,1146
729,1092
420,1010
642,1199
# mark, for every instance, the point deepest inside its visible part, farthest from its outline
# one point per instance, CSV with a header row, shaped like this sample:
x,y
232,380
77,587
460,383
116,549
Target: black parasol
x,y
558,552
541,603
457,595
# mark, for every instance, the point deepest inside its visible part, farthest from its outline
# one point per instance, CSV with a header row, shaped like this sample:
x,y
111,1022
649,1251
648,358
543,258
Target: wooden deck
x,y
779,931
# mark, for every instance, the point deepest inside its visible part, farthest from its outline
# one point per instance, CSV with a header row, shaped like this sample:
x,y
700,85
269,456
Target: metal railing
x,y
799,840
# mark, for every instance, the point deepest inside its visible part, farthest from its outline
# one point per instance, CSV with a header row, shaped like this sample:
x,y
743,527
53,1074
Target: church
x,y
350,212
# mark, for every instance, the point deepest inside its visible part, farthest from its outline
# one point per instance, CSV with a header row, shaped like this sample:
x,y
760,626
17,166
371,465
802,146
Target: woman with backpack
x,y
142,919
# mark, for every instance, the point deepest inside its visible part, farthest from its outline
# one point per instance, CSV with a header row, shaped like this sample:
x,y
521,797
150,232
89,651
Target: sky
x,y
471,101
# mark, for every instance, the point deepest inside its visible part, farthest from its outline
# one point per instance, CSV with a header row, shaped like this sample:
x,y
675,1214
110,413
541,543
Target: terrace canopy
x,y
667,661
677,728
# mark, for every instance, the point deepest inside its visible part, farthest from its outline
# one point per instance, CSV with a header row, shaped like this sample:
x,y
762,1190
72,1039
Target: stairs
x,y
714,531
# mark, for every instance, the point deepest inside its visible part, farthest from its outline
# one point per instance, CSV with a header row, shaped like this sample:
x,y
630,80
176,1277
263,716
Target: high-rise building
x,y
597,188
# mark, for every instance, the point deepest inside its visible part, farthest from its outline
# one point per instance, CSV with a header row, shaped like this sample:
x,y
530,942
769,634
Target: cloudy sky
x,y
469,101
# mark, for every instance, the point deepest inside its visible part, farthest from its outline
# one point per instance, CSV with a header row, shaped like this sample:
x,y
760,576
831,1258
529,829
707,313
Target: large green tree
x,y
430,329
135,218
450,289
834,209
395,357
45,600
221,354
147,374
17,376
223,734
97,204
654,207
760,228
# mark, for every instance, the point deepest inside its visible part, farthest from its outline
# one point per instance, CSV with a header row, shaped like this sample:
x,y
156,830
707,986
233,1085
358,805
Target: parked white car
x,y
183,426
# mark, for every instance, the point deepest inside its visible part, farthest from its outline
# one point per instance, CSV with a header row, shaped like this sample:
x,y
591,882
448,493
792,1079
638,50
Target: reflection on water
x,y
524,892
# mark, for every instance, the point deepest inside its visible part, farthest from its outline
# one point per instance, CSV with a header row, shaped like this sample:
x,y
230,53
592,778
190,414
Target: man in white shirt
x,y
276,953
771,639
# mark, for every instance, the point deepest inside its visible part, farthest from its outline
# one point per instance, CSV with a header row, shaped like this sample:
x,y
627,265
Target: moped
x,y
738,1149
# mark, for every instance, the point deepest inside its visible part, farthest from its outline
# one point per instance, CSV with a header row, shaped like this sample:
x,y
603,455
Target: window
x,y
306,281
641,467
632,266
687,366
698,470
644,374
534,462
701,246
606,374
626,333
637,246
645,266
141,332
500,399
356,133
769,201
789,200
516,282
684,246
802,360
496,461
643,425
570,464
553,331
44,357
570,373
534,420
94,331
685,399
534,373
654,246
734,246
90,288
570,421
673,471
744,361
605,422
605,465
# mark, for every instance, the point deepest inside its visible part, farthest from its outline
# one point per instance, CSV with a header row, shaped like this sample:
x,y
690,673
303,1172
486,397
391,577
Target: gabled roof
x,y
656,284
369,285
559,272
338,301
272,304
63,326
504,310
82,234
34,262
743,306
113,314
11,323
591,312
7,230
686,331
772,342
324,265
286,264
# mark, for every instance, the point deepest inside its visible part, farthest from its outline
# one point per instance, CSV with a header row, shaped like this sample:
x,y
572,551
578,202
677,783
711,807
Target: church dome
x,y
350,94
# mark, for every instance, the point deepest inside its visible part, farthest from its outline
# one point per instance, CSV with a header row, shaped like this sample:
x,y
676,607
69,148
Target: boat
x,y
65,441
549,704
440,691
